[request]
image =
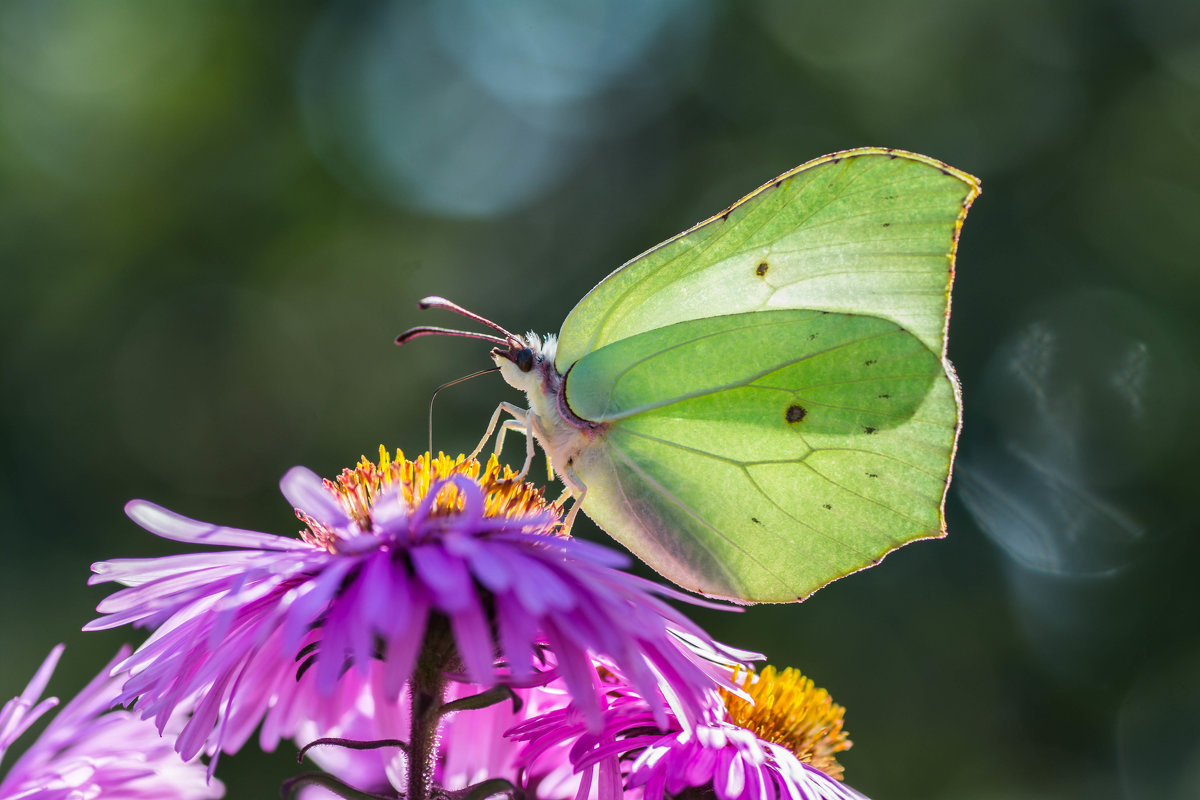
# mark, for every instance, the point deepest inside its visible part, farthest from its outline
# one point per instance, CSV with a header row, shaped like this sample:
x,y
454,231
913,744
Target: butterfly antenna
x,y
440,302
429,330
443,386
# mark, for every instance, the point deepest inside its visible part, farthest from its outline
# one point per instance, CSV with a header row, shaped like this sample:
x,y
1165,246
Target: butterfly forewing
x,y
867,231
759,456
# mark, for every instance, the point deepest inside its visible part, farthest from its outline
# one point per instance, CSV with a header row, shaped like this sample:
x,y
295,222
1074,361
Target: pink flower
x,y
394,556
773,738
88,751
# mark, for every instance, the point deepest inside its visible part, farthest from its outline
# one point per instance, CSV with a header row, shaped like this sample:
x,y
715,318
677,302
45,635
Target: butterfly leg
x,y
531,430
505,427
521,422
519,415
523,429
576,488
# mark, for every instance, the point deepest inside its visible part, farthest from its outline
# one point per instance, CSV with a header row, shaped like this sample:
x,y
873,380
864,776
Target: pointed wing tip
x,y
896,152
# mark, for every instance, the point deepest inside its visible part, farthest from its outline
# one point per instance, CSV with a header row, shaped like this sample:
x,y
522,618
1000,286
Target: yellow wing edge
x,y
975,189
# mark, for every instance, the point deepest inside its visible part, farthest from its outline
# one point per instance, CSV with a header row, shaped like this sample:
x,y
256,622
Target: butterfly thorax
x,y
562,434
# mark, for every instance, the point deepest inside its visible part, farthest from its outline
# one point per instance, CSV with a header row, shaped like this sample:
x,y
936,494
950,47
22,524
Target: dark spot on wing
x,y
794,413
869,429
761,269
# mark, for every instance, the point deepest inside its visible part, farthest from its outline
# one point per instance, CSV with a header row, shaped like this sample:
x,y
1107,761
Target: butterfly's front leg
x,y
509,425
522,422
518,422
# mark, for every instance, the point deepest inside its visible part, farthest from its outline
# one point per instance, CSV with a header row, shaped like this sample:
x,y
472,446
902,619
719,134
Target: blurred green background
x,y
215,217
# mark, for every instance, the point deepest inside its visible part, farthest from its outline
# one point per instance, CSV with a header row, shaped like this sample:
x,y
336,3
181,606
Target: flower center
x,y
358,490
789,710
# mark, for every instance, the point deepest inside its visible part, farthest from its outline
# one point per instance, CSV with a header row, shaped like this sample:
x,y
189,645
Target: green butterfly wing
x,y
757,457
867,231
699,472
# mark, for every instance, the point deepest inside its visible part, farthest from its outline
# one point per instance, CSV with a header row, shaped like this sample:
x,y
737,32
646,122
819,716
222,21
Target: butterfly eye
x,y
525,360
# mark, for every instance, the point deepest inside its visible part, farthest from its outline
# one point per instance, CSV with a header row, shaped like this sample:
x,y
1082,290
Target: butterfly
x,y
761,404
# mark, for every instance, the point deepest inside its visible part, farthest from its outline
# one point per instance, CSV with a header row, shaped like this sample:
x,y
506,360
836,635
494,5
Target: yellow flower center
x,y
787,709
359,489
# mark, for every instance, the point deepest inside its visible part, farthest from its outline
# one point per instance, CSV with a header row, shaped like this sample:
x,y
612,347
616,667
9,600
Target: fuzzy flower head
x,y
434,561
372,494
773,737
88,751
787,709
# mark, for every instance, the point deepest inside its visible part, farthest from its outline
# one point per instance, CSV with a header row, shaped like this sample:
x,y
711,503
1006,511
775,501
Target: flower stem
x,y
428,689
422,742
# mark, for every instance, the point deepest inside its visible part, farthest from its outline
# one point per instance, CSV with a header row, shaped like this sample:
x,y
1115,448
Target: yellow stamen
x,y
359,489
787,709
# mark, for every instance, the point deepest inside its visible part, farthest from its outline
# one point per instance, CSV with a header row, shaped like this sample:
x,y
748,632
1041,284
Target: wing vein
x,y
742,467
670,497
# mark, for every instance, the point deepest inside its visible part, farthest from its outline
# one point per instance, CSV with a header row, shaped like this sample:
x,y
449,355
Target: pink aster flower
x,y
773,739
396,559
88,751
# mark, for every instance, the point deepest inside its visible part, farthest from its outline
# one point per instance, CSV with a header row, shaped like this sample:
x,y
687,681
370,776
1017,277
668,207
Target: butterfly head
x,y
525,362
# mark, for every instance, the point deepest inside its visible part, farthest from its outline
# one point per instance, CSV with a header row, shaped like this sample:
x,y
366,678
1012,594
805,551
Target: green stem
x,y
352,744
428,688
488,697
293,785
422,741
488,788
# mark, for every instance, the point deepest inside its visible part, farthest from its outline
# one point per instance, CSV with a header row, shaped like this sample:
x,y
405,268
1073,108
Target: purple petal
x,y
729,779
138,571
401,653
305,490
473,637
517,635
179,528
446,576
307,602
577,672
493,566
385,603
540,589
